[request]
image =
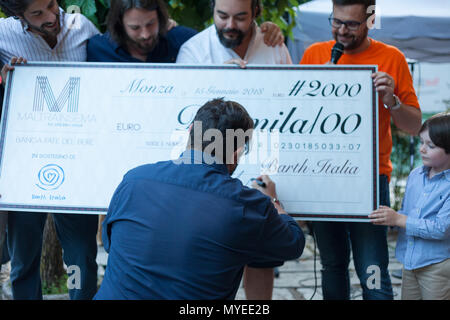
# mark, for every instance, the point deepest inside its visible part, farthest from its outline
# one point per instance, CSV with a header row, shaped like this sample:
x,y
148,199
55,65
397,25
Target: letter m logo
x,y
69,95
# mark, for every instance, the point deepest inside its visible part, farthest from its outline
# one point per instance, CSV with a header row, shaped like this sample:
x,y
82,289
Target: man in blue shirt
x,y
137,32
185,229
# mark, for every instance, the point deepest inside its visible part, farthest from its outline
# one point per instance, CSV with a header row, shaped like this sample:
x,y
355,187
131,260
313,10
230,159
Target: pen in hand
x,y
259,182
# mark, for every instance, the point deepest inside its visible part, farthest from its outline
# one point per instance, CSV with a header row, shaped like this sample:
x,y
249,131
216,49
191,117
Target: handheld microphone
x,y
336,52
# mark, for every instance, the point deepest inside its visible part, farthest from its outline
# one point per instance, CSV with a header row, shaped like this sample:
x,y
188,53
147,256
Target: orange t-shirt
x,y
390,60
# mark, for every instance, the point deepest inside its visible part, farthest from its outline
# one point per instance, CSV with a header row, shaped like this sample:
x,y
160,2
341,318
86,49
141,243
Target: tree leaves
x,y
282,13
94,10
192,13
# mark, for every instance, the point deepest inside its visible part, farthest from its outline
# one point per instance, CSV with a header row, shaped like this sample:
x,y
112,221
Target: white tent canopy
x,y
420,29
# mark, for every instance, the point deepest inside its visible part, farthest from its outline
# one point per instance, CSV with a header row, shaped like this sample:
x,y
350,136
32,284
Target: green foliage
x,y
59,288
282,13
447,104
197,14
94,10
191,13
402,163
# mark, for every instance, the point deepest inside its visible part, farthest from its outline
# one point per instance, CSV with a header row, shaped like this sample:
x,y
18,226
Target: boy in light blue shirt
x,y
423,244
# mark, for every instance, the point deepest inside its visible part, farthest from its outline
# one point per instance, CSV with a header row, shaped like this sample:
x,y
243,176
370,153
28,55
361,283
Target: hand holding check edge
x,y
386,216
9,67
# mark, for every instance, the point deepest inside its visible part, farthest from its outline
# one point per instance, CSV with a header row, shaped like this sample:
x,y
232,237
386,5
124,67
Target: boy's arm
x,y
386,216
435,228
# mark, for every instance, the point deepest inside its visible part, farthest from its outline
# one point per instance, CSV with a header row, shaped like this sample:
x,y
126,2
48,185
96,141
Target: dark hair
x,y
438,127
14,8
256,7
118,8
365,3
222,115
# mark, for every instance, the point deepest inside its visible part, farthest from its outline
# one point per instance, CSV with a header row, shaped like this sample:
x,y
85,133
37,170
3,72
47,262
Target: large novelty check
x,y
69,132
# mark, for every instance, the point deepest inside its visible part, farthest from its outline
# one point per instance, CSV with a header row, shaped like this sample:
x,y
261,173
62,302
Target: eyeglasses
x,y
350,25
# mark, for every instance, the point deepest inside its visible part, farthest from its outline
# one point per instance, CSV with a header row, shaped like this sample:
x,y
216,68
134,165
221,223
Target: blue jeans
x,y
77,235
369,246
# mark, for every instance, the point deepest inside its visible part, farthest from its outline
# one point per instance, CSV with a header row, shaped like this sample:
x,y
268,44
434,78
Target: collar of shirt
x,y
114,45
250,44
160,50
191,156
425,170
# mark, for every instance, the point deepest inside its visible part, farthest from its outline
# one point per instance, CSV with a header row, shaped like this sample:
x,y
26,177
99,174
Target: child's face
x,y
432,155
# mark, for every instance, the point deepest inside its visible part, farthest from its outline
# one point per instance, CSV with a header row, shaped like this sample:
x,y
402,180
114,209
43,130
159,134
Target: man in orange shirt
x,y
397,100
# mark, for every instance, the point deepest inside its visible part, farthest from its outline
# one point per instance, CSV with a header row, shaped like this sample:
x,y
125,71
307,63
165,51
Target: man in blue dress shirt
x,y
185,229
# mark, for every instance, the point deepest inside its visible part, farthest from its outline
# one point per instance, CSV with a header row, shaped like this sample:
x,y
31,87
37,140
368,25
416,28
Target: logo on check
x,y
50,177
43,94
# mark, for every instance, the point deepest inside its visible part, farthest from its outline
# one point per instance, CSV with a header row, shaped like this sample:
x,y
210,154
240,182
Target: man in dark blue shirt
x,y
185,229
137,32
102,48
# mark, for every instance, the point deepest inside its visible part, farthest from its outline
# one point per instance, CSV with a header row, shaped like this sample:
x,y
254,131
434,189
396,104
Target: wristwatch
x,y
397,104
275,200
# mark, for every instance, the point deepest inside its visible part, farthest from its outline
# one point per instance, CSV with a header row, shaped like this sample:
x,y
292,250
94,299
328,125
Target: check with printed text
x,y
71,131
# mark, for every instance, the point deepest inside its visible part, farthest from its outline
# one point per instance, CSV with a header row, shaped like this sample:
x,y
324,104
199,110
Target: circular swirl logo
x,y
50,177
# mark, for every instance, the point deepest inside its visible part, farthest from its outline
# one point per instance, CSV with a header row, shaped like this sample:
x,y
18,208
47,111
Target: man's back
x,y
180,231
